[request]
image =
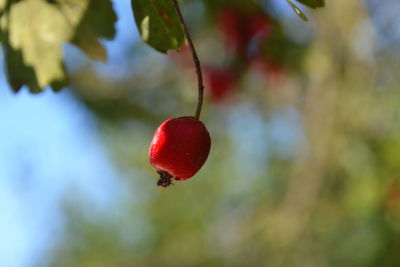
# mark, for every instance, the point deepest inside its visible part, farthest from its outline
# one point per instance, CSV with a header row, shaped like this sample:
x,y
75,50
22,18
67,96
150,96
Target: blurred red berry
x,y
231,24
220,82
179,149
258,30
270,71
182,56
240,30
258,25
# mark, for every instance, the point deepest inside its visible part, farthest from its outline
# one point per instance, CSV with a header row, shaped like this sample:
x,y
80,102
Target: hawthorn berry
x,y
179,149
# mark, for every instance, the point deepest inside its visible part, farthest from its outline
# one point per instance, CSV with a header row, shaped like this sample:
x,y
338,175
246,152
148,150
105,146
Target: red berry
x,y
179,148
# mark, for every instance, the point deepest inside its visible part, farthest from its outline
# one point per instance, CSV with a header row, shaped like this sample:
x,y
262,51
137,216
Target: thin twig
x,y
196,60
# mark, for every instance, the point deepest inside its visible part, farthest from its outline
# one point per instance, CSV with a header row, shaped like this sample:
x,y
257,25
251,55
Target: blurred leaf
x,y
2,4
89,43
312,3
99,19
98,22
39,29
73,10
297,10
158,24
18,74
57,85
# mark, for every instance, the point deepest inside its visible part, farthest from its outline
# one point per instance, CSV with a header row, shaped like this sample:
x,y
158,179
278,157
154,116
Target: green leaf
x,y
34,31
2,5
39,29
18,74
100,19
89,44
72,10
158,24
297,10
57,85
98,22
312,3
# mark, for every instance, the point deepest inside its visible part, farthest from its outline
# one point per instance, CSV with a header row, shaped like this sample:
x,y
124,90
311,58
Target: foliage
x,y
158,24
33,33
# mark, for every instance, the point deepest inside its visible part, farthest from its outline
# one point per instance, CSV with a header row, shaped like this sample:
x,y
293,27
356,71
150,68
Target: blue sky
x,y
42,158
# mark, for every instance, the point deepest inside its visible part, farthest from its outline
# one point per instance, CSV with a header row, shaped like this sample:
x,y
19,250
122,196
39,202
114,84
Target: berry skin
x,y
179,149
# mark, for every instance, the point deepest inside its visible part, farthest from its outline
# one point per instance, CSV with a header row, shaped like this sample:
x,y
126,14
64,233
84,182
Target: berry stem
x,y
196,60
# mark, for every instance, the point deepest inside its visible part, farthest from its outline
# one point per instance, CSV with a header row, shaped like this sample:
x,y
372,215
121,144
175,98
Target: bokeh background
x,y
304,168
